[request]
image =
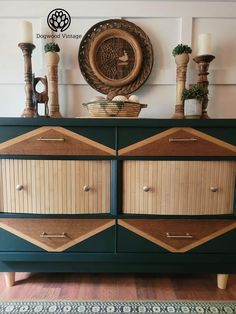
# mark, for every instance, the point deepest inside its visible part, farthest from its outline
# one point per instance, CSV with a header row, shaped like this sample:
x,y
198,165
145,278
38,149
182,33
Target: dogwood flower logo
x,y
59,20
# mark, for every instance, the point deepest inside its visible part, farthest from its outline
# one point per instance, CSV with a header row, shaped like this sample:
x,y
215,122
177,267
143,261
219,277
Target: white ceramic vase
x,y
192,109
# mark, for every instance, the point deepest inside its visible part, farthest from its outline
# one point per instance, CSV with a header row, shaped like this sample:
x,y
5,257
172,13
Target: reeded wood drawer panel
x,y
177,235
178,187
56,235
55,186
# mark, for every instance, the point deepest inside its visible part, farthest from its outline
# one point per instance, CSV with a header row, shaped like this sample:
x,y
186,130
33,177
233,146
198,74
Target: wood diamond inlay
x,y
69,231
54,141
157,231
180,142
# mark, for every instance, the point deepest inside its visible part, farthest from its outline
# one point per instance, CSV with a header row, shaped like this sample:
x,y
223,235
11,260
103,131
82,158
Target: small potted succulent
x,y
193,99
181,53
52,60
51,50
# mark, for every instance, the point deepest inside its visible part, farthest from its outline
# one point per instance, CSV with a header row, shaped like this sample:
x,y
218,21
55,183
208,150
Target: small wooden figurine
x,y
40,97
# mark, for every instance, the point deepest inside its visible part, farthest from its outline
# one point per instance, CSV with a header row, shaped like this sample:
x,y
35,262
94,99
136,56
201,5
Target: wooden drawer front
x,y
177,236
56,235
179,142
55,186
178,187
54,141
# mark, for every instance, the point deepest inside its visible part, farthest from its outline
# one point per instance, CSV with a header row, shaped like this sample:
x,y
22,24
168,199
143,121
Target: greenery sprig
x,y
53,47
179,49
195,92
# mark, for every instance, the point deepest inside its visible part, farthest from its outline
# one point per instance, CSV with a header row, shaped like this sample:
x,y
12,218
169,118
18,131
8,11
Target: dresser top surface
x,y
117,122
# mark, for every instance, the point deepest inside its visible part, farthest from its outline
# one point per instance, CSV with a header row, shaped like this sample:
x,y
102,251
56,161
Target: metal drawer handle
x,y
19,187
146,188
46,235
214,188
86,188
51,139
183,236
192,139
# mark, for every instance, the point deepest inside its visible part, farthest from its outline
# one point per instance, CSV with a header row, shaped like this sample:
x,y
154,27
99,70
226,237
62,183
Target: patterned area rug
x,y
72,307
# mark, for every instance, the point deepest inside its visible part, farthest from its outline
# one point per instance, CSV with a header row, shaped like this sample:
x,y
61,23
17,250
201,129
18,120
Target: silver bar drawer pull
x,y
46,235
45,139
183,236
191,139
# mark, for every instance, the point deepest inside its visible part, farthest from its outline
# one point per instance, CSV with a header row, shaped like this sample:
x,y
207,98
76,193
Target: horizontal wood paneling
x,y
178,187
55,186
167,23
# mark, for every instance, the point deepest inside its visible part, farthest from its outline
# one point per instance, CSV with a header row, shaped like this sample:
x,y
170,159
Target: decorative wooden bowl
x,y
107,108
115,55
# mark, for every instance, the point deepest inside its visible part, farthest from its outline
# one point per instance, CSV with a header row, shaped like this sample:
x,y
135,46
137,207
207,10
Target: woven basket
x,y
108,108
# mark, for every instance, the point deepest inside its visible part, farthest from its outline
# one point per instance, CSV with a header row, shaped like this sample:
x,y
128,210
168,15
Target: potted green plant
x,y
52,60
181,53
193,99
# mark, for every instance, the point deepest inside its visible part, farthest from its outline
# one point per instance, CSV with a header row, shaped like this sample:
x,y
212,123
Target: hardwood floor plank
x,y
76,286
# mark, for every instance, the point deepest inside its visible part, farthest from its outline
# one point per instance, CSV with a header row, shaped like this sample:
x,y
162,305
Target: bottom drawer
x,y
57,235
176,236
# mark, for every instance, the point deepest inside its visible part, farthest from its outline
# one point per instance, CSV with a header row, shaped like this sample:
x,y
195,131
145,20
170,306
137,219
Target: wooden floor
x,y
116,287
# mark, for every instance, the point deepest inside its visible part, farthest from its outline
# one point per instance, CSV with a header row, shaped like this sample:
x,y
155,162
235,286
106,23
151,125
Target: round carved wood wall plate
x,y
115,56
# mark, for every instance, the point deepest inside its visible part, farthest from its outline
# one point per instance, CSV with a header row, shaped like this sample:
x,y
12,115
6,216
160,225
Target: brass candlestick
x,y
203,63
29,110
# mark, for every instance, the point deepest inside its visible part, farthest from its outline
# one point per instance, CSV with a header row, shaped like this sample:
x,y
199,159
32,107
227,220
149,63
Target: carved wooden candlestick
x,y
52,59
203,62
181,62
29,110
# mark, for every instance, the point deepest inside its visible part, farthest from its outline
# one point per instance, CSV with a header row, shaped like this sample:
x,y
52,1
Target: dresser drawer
x,y
174,142
178,187
55,186
57,235
54,141
176,236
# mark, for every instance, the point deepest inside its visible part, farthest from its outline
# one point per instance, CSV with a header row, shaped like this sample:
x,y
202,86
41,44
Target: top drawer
x,y
178,142
54,141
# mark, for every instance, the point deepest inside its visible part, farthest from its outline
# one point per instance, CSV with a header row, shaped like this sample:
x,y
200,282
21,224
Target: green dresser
x,y
117,195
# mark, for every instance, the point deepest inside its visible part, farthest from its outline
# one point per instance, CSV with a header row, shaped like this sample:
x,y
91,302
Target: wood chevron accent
x,y
178,187
155,230
161,145
55,186
76,231
71,144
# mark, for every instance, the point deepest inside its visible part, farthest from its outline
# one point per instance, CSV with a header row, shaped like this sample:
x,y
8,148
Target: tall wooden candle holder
x,y
30,110
203,63
52,59
181,61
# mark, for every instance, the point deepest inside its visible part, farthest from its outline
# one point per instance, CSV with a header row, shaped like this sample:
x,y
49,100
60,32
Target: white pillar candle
x,y
25,32
204,44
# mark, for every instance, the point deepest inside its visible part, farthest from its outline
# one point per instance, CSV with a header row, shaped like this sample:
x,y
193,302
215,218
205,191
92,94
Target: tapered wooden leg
x,y
222,281
9,279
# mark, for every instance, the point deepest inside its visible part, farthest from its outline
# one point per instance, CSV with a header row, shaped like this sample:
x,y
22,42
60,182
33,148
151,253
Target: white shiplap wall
x,y
167,23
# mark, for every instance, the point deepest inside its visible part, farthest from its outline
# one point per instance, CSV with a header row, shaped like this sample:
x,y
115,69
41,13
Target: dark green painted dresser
x,y
117,195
